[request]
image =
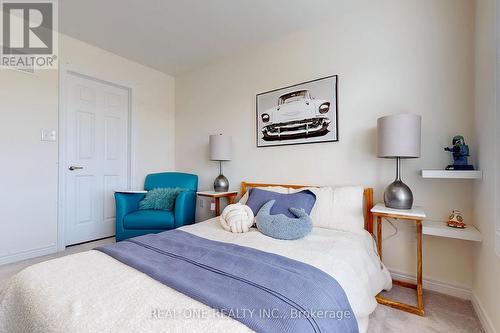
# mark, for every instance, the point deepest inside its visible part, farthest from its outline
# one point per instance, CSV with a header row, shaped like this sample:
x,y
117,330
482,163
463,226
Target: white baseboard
x,y
28,254
482,315
435,285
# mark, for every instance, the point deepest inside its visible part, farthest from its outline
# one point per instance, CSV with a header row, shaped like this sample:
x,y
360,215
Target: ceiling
x,y
175,36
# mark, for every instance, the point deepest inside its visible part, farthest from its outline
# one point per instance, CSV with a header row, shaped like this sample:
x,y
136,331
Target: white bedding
x,y
92,292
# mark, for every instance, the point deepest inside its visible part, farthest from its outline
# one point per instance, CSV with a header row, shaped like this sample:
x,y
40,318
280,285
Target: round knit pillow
x,y
237,218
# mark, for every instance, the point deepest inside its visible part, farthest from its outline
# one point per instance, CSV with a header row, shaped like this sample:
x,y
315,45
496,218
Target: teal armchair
x,y
132,222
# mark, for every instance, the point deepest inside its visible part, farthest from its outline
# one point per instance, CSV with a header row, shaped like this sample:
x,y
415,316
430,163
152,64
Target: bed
x,y
93,292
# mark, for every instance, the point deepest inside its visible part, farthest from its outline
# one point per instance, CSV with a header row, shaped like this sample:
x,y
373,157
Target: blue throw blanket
x,y
264,291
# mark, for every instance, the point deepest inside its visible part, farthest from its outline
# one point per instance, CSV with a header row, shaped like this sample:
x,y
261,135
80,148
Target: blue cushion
x,y
282,227
149,219
161,198
302,200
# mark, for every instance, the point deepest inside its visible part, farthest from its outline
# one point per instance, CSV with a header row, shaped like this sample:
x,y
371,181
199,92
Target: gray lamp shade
x,y
220,147
399,136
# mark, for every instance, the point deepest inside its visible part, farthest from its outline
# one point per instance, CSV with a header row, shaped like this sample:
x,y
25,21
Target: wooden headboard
x,y
367,195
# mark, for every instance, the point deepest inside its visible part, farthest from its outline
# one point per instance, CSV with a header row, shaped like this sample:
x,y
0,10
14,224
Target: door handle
x,y
73,168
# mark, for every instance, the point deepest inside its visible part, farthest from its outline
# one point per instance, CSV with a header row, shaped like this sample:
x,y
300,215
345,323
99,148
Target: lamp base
x,y
398,196
221,184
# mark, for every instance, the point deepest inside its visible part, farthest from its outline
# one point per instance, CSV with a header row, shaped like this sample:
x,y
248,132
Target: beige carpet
x,y
443,313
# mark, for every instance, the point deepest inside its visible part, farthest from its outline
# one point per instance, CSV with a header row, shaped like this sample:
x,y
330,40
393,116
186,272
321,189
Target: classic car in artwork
x,y
298,115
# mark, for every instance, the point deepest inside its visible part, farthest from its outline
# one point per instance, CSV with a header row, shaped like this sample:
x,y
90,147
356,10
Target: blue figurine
x,y
460,153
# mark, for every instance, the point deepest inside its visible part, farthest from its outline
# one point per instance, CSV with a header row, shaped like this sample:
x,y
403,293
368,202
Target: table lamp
x,y
220,150
399,137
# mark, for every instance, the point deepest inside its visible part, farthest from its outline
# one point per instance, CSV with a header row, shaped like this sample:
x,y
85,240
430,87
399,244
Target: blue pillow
x,y
282,227
160,198
302,200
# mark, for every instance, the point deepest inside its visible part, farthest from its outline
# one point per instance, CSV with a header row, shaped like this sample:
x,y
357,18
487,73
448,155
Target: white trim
x,y
435,285
131,138
482,315
28,254
61,185
66,69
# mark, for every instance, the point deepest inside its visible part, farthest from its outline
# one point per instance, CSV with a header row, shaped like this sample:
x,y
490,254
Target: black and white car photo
x,y
303,113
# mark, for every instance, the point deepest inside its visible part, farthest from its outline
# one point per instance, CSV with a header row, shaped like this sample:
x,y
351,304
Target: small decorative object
x,y
302,113
460,152
399,137
220,150
455,220
237,218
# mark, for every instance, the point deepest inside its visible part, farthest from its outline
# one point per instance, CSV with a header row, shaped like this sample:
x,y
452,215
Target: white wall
x,y
391,56
28,178
28,167
487,263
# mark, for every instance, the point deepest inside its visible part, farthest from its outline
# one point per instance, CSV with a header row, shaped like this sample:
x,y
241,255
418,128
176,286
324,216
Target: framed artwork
x,y
298,114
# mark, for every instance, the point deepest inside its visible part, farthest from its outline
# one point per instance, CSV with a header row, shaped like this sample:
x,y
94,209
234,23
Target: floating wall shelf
x,y
433,228
457,174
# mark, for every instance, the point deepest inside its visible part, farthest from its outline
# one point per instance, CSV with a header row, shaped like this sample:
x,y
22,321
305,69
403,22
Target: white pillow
x,y
278,189
338,208
348,209
322,212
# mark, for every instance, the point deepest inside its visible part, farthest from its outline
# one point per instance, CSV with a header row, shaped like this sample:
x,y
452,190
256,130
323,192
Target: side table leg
x,y
420,292
379,236
217,206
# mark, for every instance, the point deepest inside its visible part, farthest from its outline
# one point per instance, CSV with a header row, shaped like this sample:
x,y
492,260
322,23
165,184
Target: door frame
x,y
64,71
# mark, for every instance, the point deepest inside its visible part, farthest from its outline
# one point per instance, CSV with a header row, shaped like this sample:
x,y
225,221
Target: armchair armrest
x,y
125,204
185,209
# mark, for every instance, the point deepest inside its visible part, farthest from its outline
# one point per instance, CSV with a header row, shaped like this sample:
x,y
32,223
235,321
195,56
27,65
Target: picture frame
x,y
302,113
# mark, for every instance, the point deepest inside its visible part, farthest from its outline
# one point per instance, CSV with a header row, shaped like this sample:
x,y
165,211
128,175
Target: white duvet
x,y
92,292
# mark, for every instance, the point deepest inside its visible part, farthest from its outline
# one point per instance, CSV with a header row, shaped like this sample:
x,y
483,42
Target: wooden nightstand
x,y
216,198
416,214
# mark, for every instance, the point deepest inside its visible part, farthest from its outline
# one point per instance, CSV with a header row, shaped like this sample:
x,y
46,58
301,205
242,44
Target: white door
x,y
96,155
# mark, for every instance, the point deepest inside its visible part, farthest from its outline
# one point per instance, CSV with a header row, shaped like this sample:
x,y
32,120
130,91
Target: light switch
x,y
212,206
49,135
